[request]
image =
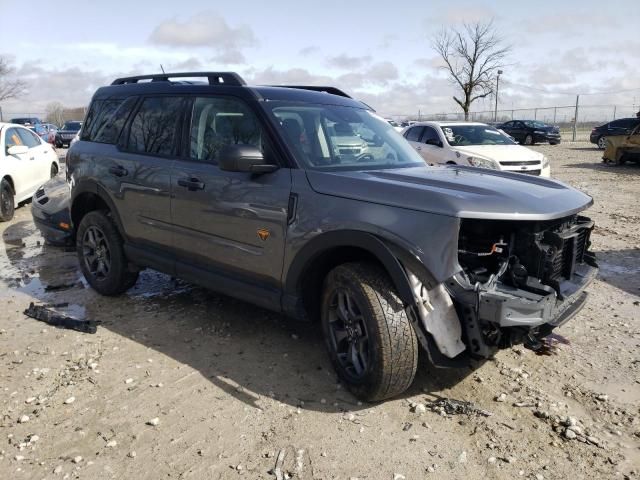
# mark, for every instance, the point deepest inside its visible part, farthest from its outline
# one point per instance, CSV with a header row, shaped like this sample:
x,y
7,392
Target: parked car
x,y
386,252
529,132
50,211
46,131
26,161
396,126
66,134
621,149
26,121
476,145
620,127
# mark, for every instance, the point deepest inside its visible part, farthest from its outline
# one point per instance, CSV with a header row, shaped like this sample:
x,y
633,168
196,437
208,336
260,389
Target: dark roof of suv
x,y
162,84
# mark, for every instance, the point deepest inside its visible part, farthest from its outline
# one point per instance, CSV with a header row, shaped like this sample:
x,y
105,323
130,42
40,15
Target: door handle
x,y
418,148
118,171
191,183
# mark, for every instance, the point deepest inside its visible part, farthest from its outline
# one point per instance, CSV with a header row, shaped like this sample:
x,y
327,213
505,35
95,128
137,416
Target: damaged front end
x,y
519,279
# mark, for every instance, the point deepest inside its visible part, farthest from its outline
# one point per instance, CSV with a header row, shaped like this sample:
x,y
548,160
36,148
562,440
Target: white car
x,y
476,145
26,162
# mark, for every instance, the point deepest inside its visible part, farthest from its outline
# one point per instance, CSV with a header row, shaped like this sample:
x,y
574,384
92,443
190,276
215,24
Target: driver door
x,y
21,167
432,147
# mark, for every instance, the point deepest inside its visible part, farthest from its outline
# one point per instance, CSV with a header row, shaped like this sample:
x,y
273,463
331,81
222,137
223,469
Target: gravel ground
x,y
180,382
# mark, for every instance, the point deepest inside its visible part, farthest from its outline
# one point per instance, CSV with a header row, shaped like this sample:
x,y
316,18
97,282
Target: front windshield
x,y
465,135
534,124
332,137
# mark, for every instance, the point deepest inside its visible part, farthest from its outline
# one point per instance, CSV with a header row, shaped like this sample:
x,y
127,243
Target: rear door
x,y
138,170
231,225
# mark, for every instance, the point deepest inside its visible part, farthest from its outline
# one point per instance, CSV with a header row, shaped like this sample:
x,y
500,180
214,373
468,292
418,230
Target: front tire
x,y
371,342
7,202
54,170
101,255
602,143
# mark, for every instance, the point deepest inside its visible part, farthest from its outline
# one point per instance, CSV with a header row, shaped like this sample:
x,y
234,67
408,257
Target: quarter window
x,y
154,127
217,122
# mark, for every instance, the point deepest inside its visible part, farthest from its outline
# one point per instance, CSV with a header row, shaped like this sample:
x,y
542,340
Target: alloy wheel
x,y
348,333
96,252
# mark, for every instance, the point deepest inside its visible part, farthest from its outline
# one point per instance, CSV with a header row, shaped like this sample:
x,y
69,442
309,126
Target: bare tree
x,y
472,57
9,88
55,113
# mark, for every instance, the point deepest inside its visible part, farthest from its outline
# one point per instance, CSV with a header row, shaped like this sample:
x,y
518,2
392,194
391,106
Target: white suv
x,y
474,144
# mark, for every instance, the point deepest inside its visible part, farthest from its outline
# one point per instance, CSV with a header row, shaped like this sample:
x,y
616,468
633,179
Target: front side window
x,y
217,122
153,129
463,135
332,137
430,134
535,124
414,134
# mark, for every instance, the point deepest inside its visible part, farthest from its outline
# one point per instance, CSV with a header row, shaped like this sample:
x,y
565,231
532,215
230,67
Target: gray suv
x,y
251,192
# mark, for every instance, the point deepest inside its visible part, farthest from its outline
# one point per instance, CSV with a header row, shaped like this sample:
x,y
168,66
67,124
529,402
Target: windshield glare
x,y
462,135
331,137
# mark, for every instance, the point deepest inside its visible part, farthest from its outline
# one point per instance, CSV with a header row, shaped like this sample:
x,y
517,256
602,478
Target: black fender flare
x,y
390,256
90,186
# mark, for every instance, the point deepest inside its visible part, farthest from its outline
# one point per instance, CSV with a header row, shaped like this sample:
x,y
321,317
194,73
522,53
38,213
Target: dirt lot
x,y
238,391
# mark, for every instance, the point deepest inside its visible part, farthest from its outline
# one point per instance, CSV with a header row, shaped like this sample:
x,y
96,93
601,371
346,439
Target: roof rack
x,y
215,78
315,88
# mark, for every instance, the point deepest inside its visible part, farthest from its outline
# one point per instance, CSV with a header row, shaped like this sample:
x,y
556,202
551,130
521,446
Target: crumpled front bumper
x,y
512,307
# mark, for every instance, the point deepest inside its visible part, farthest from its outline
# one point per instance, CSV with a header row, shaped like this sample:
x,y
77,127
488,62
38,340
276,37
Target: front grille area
x,y
563,260
40,193
350,151
520,163
531,172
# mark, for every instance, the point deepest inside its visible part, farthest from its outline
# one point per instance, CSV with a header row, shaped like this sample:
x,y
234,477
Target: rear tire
x,y
371,342
101,255
54,170
7,201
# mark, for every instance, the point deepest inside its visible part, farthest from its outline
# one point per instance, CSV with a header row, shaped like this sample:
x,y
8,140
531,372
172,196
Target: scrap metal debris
x,y
456,407
55,319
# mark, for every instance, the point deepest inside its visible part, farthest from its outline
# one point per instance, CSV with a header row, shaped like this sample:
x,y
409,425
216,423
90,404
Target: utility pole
x,y
495,112
1,120
575,118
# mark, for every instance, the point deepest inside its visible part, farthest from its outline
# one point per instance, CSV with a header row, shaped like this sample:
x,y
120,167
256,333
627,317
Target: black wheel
x,y
101,255
58,145
620,158
528,140
371,342
7,205
54,170
602,143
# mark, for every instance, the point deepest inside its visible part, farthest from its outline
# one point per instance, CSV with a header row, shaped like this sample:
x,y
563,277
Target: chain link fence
x,y
57,118
582,118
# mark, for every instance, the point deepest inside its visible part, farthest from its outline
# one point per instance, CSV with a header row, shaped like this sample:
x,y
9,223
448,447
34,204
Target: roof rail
x,y
315,88
215,78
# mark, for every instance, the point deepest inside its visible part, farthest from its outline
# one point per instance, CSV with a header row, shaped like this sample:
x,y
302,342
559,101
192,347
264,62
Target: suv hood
x,y
456,191
500,153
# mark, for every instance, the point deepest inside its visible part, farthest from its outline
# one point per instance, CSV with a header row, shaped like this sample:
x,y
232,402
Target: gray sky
x,y
378,51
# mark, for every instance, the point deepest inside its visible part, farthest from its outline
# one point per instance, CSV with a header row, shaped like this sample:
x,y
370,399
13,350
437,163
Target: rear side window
x,y
29,138
414,134
154,126
105,120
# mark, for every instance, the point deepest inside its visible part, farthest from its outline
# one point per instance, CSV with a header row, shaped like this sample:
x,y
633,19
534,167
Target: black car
x,y
67,133
621,126
50,210
27,121
528,132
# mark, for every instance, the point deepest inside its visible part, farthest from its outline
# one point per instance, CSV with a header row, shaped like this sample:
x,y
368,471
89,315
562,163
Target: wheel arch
x,y
88,197
304,277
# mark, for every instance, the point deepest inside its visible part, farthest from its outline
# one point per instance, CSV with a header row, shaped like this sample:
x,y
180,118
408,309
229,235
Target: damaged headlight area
x,y
520,279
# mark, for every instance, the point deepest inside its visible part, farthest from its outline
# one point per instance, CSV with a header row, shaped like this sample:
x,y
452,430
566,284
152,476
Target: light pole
x,y
495,113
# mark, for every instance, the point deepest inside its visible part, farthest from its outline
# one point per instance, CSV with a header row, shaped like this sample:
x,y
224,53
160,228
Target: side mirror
x,y
17,150
243,158
433,141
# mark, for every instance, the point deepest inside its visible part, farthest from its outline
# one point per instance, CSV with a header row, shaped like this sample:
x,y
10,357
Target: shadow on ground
x,y
246,351
620,268
607,167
